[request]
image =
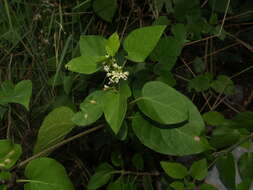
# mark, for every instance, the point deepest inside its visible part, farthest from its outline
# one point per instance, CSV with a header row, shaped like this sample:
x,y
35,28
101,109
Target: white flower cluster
x,y
114,72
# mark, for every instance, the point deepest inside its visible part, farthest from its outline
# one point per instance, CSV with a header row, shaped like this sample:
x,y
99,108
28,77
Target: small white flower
x,y
107,56
106,68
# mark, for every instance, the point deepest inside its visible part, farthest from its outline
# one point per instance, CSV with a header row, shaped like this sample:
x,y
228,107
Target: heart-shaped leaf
x,y
9,153
162,103
101,177
47,174
20,93
140,42
93,46
115,107
105,9
83,65
174,170
56,125
91,109
179,141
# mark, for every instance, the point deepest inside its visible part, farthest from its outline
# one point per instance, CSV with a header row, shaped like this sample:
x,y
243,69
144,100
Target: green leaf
x,y
173,45
198,169
91,109
47,174
226,168
213,118
115,107
56,125
224,136
140,42
162,103
245,164
105,9
242,120
101,177
20,93
83,65
113,44
92,46
9,153
174,170
177,185
206,186
201,83
179,141
223,84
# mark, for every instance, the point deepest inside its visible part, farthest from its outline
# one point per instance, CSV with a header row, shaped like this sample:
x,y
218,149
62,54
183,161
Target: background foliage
x,y
183,112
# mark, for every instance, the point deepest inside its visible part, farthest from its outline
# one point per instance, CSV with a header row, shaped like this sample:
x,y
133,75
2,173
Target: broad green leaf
x,y
245,164
20,93
179,141
174,170
213,118
223,84
115,107
224,136
83,65
102,175
173,45
56,125
242,120
177,185
47,174
140,42
92,46
125,89
162,103
91,109
206,186
201,83
226,168
105,9
113,44
198,169
9,153
244,185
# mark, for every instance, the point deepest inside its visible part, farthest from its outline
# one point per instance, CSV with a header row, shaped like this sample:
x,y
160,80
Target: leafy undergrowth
x,y
106,94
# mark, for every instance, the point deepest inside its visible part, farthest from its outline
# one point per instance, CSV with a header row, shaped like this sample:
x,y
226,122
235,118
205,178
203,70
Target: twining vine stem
x,y
21,164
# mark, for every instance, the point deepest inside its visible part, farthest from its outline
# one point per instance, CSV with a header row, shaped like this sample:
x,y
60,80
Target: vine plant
x,y
138,101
